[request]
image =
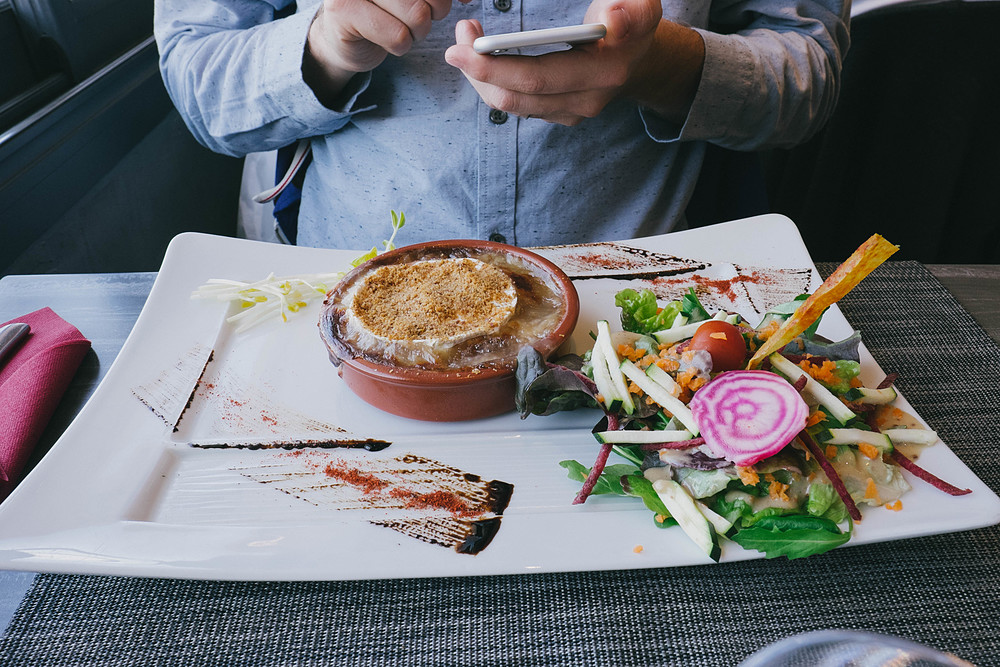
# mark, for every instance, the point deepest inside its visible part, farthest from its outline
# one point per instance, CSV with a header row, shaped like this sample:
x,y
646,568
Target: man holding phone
x,y
602,141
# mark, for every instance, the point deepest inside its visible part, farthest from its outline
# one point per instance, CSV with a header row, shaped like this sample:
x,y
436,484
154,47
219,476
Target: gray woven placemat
x,y
942,590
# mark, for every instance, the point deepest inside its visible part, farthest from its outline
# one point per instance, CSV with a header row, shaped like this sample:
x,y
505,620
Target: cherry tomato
x,y
724,342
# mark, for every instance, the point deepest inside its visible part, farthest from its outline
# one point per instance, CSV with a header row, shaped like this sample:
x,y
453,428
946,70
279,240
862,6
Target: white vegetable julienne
x,y
911,436
272,295
814,389
857,436
611,359
266,298
689,516
663,378
642,437
675,334
603,380
661,395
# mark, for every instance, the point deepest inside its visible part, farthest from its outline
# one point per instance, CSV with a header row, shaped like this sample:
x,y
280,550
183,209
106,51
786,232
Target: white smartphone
x,y
576,34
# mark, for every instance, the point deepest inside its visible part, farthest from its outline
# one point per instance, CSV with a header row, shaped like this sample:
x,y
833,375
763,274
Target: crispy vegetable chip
x,y
863,261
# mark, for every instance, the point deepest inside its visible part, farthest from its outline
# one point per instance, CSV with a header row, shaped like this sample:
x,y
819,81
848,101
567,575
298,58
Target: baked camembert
x,y
432,302
451,310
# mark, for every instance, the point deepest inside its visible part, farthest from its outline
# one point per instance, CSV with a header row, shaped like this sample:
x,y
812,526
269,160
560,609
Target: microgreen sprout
x,y
398,220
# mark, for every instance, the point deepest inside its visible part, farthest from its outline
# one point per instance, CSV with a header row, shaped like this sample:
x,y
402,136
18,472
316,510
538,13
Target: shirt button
x,y
503,5
498,117
497,237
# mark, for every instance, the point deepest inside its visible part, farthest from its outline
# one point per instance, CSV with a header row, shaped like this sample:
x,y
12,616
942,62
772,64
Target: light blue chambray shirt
x,y
414,136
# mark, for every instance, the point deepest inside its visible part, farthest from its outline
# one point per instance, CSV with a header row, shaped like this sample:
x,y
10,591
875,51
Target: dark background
x,y
98,173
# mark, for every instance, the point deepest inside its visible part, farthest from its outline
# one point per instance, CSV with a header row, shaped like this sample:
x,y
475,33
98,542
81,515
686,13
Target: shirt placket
x,y
497,184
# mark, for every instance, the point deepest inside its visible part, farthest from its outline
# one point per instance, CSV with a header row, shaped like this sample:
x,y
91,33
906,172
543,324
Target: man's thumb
x,y
625,20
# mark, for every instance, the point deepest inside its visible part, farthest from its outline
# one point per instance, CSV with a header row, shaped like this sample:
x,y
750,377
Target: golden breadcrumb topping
x,y
440,299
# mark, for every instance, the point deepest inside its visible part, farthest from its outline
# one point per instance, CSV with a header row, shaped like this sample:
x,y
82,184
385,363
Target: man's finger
x,y
467,31
387,32
562,105
560,72
553,73
416,15
629,18
440,8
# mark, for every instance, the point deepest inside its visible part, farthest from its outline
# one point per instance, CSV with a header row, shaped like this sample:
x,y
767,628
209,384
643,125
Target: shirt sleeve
x,y
771,75
234,73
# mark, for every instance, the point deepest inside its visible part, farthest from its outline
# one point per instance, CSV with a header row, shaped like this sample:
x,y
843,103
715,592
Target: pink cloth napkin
x,y
32,381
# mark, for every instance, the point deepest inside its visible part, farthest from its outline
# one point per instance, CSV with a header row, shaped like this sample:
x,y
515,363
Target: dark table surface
x,y
105,307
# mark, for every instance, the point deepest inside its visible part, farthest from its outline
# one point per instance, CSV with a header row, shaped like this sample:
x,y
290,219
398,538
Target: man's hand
x,y
351,36
644,57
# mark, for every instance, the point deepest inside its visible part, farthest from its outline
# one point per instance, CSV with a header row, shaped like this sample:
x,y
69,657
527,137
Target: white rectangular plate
x,y
121,493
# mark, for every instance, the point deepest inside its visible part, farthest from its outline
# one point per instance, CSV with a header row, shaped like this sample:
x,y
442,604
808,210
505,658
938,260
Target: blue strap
x,y
286,204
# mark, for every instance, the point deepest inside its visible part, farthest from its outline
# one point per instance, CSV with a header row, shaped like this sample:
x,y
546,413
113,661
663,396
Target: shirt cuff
x,y
726,79
286,88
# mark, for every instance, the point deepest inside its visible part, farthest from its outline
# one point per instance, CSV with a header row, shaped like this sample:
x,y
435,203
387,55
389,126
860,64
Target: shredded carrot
x,y
815,418
778,491
831,451
684,379
668,364
869,450
630,352
633,388
871,491
769,330
689,382
748,476
697,383
637,549
659,518
894,506
825,372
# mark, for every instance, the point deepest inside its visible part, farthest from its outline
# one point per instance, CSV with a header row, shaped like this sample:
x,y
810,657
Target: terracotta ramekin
x,y
440,395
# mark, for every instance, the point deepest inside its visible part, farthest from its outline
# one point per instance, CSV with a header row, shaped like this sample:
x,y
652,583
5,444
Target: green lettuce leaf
x,y
641,314
703,483
608,482
692,307
640,487
824,501
733,510
792,536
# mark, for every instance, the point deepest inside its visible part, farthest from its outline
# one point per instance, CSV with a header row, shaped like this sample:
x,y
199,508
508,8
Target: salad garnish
x,y
398,220
260,300
760,434
846,277
747,416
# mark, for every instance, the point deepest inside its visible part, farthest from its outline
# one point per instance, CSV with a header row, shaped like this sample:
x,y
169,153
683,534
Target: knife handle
x,y
10,334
